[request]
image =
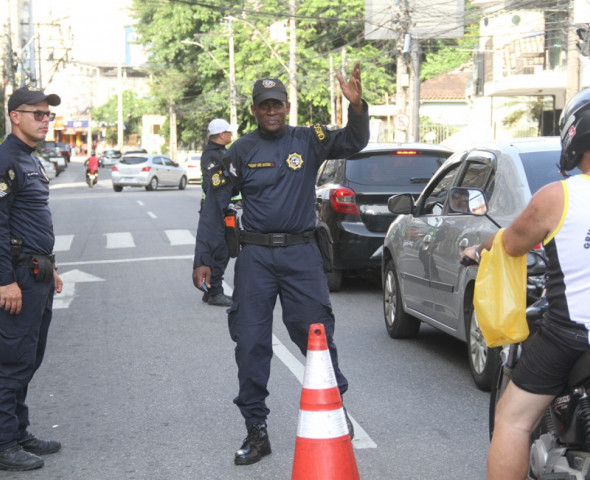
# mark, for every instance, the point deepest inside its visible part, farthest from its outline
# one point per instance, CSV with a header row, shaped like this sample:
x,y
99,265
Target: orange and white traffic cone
x,y
323,449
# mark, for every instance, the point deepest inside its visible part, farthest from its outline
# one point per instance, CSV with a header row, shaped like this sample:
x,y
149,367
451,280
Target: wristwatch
x,y
477,255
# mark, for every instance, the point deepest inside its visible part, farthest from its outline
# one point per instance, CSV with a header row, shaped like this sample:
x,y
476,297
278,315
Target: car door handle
x,y
427,239
464,243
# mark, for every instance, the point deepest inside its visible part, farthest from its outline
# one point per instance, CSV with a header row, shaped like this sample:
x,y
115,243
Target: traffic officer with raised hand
x,y
28,276
275,167
220,135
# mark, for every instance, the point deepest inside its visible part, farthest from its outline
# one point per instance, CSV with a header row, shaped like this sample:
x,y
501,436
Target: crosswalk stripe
x,y
120,240
63,243
180,237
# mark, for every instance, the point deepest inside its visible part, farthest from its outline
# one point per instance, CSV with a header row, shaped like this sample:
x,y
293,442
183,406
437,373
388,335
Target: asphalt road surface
x,y
139,374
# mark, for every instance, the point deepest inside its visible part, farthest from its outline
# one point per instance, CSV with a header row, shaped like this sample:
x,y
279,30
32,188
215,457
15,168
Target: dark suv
x,y
351,198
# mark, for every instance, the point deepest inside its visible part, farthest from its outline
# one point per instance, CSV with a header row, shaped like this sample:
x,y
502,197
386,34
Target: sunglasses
x,y
39,114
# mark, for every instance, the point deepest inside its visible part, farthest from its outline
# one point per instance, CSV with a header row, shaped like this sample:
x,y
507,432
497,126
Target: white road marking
x,y
120,240
153,215
180,237
63,243
62,300
140,203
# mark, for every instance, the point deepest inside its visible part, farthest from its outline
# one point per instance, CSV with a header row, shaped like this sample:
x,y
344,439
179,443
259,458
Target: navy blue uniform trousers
x,y
22,345
294,274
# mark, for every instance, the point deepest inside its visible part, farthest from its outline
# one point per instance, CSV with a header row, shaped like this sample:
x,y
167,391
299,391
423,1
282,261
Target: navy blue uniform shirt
x,y
276,176
24,204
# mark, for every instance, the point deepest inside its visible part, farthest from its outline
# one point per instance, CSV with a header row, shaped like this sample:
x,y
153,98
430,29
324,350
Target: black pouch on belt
x,y
41,268
324,239
232,232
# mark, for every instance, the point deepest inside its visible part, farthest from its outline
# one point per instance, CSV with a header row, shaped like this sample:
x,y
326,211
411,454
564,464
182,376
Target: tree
x,y
187,78
134,108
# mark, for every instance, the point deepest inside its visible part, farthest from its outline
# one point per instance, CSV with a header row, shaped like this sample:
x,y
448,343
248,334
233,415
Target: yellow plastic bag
x,y
500,296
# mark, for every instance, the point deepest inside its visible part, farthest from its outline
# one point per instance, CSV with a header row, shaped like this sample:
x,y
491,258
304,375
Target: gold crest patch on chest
x,y
294,161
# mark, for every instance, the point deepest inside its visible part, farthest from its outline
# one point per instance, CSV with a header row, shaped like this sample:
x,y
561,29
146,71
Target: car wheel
x,y
182,184
483,361
117,188
335,280
153,185
399,324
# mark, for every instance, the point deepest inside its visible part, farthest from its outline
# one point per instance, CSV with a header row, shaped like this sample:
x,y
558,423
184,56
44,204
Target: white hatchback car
x,y
193,168
147,170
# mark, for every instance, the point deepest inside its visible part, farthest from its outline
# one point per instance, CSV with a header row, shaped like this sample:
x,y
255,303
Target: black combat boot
x,y
255,446
17,460
34,445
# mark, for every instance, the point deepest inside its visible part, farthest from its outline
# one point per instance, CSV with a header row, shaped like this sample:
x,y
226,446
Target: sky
x,y
97,26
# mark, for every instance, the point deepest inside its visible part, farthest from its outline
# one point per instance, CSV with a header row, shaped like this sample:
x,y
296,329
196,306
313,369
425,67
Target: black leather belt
x,y
277,239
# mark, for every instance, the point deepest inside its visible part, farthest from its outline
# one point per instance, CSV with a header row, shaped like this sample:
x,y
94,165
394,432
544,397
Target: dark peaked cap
x,y
30,95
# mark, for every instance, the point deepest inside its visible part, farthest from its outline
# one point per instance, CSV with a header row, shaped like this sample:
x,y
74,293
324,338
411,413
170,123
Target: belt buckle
x,y
278,239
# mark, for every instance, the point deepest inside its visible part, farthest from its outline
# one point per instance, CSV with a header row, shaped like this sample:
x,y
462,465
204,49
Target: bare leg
x,y
517,414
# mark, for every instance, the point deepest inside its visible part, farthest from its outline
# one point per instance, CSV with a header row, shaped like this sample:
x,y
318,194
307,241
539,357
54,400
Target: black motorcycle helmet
x,y
574,130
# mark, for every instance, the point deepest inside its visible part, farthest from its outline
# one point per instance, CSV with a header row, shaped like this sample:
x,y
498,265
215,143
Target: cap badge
x,y
268,83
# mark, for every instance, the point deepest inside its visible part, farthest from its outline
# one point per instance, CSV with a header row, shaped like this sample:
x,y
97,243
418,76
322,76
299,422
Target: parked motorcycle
x,y
91,178
560,445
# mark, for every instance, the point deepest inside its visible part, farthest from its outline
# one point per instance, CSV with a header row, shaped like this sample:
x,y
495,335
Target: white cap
x,y
218,125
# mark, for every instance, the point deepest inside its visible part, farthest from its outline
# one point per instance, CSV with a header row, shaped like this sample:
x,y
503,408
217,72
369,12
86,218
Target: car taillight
x,y
406,152
146,169
343,200
114,169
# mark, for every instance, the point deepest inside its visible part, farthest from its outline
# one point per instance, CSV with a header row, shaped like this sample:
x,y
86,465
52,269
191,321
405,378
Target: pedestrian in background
x,y
274,167
220,135
28,275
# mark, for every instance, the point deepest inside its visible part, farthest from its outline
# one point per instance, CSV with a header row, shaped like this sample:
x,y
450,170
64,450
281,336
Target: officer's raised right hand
x,y
202,275
11,298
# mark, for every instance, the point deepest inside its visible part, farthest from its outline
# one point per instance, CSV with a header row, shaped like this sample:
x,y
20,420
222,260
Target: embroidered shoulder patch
x,y
319,132
4,188
294,161
218,179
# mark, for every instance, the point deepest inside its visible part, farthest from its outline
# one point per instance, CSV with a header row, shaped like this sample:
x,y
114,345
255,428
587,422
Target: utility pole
x,y
293,64
332,93
344,101
173,139
119,107
402,74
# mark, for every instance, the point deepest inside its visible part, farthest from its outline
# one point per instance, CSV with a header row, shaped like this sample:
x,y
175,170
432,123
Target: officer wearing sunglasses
x,y
28,275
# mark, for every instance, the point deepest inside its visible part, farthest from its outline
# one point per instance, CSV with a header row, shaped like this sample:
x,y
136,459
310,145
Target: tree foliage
x,y
134,107
188,44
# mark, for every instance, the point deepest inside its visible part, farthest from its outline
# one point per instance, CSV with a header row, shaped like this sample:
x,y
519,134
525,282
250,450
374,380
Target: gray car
x,y
423,280
147,170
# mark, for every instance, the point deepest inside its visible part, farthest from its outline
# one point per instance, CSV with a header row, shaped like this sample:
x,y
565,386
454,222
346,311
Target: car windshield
x,y
541,168
129,160
393,169
113,154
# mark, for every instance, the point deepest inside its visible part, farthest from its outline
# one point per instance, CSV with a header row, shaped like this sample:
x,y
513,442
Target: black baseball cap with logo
x,y
268,89
30,95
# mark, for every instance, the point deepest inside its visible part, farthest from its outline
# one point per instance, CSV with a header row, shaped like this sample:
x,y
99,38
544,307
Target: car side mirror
x,y
401,204
471,201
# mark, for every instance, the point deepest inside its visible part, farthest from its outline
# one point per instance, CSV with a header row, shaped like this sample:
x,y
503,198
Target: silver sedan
x,y
423,281
147,170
